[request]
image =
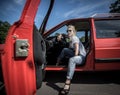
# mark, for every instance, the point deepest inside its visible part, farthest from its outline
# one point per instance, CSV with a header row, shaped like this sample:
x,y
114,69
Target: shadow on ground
x,y
85,77
111,77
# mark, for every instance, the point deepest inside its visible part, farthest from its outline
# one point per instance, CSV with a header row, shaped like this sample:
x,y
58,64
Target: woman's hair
x,y
73,28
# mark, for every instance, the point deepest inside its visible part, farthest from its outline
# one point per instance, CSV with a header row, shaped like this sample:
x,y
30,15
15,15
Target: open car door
x,y
20,62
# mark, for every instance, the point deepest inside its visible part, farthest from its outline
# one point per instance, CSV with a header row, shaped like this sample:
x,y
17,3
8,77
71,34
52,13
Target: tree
x,y
115,7
4,26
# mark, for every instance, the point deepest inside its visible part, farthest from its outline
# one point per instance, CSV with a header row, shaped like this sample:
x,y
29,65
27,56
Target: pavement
x,y
83,83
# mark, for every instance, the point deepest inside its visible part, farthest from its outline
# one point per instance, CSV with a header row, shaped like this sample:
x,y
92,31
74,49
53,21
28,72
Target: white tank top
x,y
75,39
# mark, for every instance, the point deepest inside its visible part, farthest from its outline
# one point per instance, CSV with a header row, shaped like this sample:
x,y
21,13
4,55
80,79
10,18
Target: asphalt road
x,y
83,83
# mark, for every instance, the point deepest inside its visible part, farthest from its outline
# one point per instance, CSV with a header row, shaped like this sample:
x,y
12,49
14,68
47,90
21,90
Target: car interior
x,y
54,48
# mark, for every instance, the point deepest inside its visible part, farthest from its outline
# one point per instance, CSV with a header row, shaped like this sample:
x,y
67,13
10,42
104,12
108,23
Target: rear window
x,y
107,28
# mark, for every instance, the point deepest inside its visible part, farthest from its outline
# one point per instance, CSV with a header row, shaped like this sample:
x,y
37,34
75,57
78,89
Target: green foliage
x,y
4,26
115,7
82,39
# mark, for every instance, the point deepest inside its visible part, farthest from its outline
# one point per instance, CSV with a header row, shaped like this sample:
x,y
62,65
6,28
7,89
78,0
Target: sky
x,y
10,10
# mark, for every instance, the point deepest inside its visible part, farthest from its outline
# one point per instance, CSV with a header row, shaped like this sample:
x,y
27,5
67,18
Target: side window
x,y
107,28
81,35
84,36
61,30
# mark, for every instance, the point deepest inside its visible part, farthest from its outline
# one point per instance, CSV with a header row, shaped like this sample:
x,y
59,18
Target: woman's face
x,y
70,32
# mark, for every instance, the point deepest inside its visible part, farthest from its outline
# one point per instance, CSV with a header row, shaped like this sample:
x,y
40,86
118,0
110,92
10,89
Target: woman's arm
x,y
76,49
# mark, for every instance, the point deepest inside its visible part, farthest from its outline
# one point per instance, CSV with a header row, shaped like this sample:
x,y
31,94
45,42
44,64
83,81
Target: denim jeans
x,y
73,60
66,52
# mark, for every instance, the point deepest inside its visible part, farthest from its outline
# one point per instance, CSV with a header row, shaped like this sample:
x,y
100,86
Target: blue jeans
x,y
73,60
66,52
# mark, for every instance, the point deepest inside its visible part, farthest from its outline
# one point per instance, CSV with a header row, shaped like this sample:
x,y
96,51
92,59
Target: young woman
x,y
76,54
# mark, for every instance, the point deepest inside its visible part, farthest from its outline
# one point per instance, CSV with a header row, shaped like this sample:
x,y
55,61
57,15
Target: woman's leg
x,y
71,69
72,64
66,88
65,52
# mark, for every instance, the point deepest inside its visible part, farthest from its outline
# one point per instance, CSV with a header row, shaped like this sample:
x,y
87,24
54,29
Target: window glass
x,y
61,30
82,36
107,28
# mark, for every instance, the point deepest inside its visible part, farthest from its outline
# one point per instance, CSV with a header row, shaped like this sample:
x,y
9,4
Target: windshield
x,y
107,28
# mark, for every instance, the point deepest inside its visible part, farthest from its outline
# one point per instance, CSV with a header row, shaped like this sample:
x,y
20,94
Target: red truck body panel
x,y
19,73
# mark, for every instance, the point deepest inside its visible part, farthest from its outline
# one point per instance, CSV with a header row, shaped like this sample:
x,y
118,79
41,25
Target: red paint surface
x,y
19,74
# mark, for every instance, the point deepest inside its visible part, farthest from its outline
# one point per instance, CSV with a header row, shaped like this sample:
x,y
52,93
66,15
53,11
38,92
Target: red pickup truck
x,y
27,53
100,35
